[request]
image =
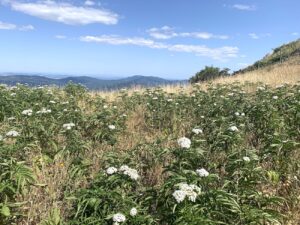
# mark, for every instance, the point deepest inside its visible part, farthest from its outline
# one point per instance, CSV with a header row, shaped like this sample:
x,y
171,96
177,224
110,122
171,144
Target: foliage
x,y
209,73
216,156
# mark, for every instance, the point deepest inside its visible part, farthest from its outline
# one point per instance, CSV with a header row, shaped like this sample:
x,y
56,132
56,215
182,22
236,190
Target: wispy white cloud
x,y
243,65
221,53
258,36
244,7
89,3
59,36
254,36
7,26
26,28
10,26
64,12
167,32
295,33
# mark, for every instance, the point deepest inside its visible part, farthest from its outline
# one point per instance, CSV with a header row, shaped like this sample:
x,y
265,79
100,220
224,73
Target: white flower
x,y
185,190
154,98
230,94
237,113
179,195
169,100
111,170
52,102
242,114
27,112
246,159
115,107
12,133
133,212
119,218
132,173
44,111
233,128
275,97
68,126
65,110
112,127
105,107
184,142
261,88
124,167
202,172
197,131
202,117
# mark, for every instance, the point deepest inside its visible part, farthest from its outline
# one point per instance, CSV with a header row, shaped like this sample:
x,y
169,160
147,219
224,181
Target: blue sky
x,y
118,38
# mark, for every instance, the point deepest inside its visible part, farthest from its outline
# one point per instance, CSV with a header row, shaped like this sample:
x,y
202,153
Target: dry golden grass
x,y
287,72
273,75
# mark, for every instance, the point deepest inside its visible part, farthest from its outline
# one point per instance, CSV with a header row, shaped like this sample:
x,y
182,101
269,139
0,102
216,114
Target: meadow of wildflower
x,y
223,154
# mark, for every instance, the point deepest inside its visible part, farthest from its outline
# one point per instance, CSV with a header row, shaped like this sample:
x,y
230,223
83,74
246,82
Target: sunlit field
x,y
221,153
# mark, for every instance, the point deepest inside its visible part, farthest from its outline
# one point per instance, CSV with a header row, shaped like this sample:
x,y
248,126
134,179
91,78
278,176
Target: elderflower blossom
x,y
119,218
68,126
197,131
246,159
12,133
111,170
44,111
202,172
133,212
185,190
112,127
233,129
179,195
184,142
27,112
132,173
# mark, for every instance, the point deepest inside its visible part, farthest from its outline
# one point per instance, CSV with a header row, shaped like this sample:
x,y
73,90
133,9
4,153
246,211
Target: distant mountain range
x,y
89,82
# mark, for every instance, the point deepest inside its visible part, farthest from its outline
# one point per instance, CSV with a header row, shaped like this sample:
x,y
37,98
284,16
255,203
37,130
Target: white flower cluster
x,y
112,127
246,159
111,170
239,114
133,212
119,218
202,172
132,173
233,129
27,112
197,131
184,142
12,133
44,111
68,126
190,191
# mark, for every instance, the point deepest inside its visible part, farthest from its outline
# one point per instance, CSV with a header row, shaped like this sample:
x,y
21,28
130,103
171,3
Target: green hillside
x,y
279,55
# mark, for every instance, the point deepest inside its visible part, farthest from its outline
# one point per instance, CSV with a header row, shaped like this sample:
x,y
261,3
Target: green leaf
x,y
5,211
